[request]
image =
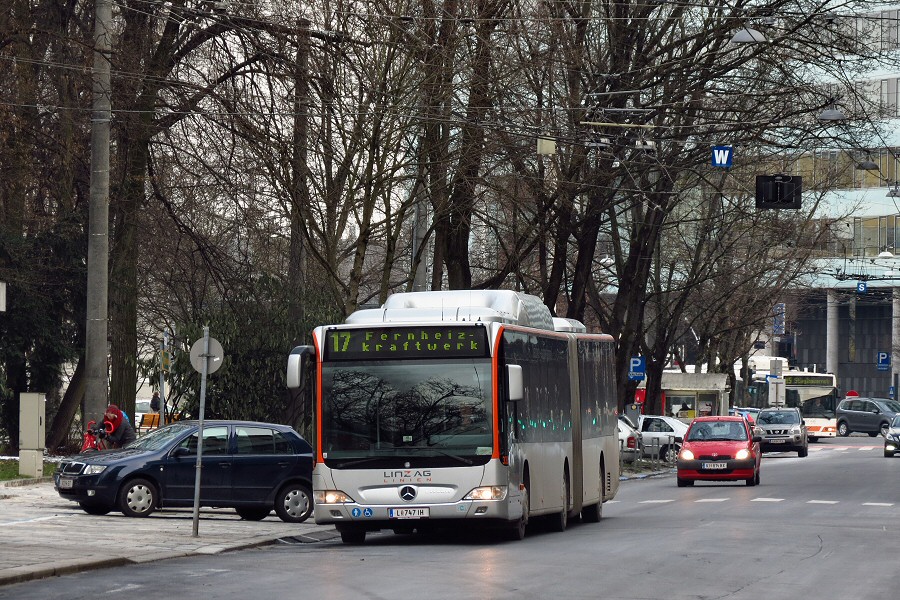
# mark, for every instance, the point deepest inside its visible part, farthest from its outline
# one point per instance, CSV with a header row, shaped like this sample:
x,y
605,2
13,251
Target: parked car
x,y
630,447
661,436
865,415
782,429
251,467
719,449
892,438
748,412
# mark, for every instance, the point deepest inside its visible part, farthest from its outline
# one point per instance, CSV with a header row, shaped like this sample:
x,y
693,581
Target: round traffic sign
x,y
215,356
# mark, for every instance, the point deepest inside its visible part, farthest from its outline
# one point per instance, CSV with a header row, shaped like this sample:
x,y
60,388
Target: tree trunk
x,y
58,434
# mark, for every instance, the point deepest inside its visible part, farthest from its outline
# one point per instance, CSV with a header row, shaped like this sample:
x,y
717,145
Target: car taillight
x,y
631,442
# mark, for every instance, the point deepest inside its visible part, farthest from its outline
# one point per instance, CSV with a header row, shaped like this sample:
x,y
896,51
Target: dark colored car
x,y
782,429
865,415
892,438
251,467
719,449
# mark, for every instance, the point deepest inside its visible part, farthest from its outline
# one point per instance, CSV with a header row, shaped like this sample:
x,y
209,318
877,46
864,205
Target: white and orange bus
x,y
815,394
461,407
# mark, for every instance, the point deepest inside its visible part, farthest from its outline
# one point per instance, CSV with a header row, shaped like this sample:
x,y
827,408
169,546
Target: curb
x,y
26,573
24,482
23,574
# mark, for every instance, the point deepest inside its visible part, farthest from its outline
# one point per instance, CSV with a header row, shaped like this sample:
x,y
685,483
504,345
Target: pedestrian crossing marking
x,y
656,501
712,500
878,504
822,502
767,500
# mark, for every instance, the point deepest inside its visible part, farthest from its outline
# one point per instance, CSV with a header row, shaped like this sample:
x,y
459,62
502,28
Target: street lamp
x,y
746,35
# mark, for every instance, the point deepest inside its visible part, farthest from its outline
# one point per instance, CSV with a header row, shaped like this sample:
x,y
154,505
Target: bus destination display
x,y
386,343
809,380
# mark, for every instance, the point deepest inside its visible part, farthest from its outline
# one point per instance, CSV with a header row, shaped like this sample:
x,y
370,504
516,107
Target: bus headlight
x,y
687,454
488,492
742,454
332,497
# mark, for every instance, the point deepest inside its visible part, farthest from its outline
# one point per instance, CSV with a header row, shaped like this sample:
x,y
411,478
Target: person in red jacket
x,y
122,432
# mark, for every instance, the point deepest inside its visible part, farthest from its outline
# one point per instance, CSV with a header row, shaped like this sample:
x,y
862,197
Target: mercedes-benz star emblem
x,y
408,493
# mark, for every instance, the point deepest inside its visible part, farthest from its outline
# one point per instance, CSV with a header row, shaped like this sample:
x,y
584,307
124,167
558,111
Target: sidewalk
x,y
44,535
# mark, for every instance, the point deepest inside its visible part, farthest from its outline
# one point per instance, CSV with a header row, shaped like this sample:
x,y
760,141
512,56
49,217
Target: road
x,y
824,526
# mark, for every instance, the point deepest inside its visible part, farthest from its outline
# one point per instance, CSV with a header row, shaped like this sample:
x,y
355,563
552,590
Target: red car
x,y
719,449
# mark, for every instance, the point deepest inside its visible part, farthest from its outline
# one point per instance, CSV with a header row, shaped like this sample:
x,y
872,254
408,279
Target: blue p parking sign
x,y
637,368
884,361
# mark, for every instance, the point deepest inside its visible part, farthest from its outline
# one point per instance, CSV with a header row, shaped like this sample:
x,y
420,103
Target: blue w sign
x,y
722,156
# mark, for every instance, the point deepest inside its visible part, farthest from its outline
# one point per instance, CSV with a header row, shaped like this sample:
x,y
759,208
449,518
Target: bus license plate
x,y
714,465
408,513
65,483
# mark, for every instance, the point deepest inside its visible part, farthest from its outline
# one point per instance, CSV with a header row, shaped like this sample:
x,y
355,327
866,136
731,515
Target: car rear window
x,y
262,440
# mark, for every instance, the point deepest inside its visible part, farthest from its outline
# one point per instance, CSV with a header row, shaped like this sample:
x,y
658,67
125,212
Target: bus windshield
x,y
376,412
819,406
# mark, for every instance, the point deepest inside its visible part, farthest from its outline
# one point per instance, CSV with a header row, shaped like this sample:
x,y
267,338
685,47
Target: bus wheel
x,y
517,531
594,512
353,536
560,520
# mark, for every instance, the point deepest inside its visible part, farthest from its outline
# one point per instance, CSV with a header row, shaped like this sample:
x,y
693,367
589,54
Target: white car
x,y
630,446
662,436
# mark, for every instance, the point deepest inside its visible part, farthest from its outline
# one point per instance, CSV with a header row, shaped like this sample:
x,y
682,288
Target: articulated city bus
x,y
450,408
815,394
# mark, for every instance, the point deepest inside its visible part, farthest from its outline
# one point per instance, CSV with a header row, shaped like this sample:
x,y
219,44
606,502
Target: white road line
x,y
656,501
878,504
713,500
767,500
822,502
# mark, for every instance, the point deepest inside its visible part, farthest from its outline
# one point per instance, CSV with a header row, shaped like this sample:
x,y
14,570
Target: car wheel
x,y
753,480
873,433
812,439
95,509
685,482
252,514
353,536
137,498
887,454
803,451
669,453
885,427
294,503
843,430
757,476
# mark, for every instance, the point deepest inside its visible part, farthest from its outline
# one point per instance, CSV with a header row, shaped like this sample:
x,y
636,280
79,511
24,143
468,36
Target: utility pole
x,y
299,174
96,353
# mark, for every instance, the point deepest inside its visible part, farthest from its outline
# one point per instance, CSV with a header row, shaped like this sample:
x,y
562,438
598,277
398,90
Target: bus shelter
x,y
689,395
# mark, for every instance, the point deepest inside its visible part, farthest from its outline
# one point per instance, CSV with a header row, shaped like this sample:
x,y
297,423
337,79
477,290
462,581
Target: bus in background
x,y
452,407
815,394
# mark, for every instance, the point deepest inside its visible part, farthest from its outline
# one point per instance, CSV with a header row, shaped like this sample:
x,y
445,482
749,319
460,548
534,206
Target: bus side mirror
x,y
516,387
298,362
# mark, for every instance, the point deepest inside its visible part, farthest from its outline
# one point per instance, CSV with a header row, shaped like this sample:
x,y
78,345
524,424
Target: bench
x,y
148,421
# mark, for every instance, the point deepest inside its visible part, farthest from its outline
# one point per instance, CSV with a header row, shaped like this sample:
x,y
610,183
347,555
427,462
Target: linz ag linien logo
x,y
407,476
408,493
